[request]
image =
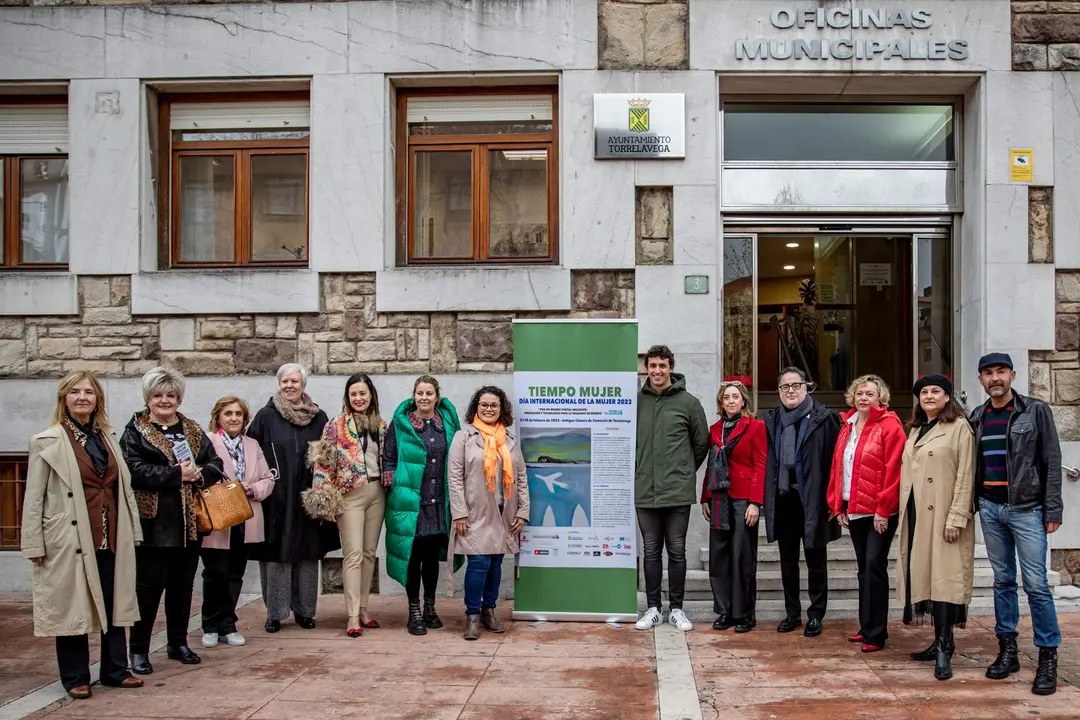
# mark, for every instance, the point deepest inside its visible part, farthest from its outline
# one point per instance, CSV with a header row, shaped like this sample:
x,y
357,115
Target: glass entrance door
x,y
837,306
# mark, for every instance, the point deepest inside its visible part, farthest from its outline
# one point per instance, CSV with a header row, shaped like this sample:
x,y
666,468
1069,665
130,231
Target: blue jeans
x,y
482,579
1007,532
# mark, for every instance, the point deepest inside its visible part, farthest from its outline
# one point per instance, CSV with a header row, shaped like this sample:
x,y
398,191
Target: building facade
x,y
383,186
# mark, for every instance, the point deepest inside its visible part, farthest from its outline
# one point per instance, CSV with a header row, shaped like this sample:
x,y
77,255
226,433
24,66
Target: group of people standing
x,y
110,525
807,471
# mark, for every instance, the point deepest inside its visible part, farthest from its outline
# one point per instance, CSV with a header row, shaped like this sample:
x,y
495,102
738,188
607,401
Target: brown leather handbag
x,y
221,506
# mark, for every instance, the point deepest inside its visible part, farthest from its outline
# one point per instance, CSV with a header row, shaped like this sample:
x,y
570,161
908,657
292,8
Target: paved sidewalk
x,y
766,675
533,672
551,671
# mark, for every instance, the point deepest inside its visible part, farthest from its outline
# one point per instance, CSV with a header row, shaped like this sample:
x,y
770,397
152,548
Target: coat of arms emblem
x,y
639,115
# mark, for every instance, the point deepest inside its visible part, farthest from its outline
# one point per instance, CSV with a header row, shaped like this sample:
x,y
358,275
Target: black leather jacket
x,y
1034,456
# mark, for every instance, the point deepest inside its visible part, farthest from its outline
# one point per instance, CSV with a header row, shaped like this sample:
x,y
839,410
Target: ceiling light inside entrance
x,y
793,245
789,267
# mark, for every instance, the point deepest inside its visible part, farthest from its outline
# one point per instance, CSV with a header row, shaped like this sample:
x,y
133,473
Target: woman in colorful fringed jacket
x,y
731,500
347,488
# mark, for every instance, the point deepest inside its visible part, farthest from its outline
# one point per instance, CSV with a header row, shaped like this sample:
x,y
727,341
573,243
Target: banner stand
x,y
575,419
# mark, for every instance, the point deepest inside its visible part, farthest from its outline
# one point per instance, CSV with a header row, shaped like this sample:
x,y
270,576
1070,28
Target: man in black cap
x,y
1018,495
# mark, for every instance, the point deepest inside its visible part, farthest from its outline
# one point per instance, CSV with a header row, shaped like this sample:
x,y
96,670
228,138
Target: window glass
x,y
442,214
44,208
518,203
3,218
278,208
838,133
207,208
739,318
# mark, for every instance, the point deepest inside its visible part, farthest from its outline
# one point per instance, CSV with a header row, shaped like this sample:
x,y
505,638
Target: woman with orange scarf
x,y
489,503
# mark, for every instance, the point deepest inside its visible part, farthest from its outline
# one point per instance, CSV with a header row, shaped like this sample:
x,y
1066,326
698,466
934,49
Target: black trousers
x,y
733,564
662,527
169,570
424,565
73,651
872,555
790,526
223,578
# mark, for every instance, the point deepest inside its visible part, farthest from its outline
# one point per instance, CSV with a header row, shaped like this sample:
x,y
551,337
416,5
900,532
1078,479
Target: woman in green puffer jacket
x,y
417,505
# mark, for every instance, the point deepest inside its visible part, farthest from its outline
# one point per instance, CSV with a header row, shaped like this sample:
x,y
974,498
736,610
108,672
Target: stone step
x,y
701,611
841,550
842,584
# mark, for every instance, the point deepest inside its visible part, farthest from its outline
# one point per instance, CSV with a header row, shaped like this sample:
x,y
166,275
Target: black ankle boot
x,y
943,660
431,618
927,655
1046,676
1008,660
416,619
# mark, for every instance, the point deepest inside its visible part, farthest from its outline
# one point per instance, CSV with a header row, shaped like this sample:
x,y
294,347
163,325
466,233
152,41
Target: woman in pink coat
x,y
224,553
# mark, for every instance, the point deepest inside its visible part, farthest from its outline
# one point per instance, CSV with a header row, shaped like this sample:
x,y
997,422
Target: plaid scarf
x,y
235,446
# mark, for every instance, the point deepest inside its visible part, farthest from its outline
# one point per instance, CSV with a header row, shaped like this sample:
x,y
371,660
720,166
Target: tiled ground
x,y
766,675
543,672
548,672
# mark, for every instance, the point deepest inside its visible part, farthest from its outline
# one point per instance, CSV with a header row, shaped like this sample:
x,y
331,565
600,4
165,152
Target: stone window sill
x,y
473,289
224,292
39,293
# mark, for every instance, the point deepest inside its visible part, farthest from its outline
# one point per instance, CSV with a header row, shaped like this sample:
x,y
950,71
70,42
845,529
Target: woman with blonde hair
x,y
937,537
864,493
225,552
169,456
347,489
80,528
414,468
731,499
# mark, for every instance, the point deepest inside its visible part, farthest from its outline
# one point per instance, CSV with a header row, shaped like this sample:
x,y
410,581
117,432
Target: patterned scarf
x,y
495,448
235,446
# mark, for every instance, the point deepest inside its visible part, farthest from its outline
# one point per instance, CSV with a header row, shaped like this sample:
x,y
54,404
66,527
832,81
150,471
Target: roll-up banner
x,y
575,382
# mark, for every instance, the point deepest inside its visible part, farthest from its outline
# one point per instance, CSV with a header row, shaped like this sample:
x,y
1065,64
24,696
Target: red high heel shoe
x,y
871,648
354,632
855,637
370,624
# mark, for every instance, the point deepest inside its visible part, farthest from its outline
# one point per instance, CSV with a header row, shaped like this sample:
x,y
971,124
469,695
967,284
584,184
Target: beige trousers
x,y
360,524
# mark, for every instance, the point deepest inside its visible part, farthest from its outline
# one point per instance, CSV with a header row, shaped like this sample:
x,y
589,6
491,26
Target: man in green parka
x,y
672,442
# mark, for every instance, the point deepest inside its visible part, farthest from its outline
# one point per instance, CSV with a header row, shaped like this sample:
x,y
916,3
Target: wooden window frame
x,y
11,204
242,151
18,465
407,146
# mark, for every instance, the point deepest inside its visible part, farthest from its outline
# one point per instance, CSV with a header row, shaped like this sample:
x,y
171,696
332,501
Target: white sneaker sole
x,y
209,643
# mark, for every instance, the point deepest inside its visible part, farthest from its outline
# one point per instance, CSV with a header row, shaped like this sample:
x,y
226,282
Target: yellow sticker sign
x,y
1021,165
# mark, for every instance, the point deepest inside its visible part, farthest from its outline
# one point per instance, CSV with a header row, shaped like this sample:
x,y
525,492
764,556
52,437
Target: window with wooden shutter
x,y
477,176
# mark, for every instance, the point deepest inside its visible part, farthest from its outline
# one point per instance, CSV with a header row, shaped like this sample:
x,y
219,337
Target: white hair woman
x,y
77,472
169,455
295,542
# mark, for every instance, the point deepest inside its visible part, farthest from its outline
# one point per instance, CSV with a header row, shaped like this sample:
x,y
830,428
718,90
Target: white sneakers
x,y
678,618
235,639
649,620
654,617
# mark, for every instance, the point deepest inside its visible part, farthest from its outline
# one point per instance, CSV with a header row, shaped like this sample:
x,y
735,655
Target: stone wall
x,y
348,336
1046,34
643,35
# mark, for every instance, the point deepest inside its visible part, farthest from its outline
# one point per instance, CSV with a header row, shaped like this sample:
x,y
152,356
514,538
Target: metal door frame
x,y
914,228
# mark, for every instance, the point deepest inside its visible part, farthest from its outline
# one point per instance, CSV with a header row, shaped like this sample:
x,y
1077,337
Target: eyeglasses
x,y
793,387
731,383
490,406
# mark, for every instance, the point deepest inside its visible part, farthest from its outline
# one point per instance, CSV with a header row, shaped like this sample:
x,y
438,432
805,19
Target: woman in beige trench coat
x,y
489,503
79,528
937,537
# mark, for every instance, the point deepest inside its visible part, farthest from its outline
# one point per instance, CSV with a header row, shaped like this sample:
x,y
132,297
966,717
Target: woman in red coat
x,y
864,492
731,497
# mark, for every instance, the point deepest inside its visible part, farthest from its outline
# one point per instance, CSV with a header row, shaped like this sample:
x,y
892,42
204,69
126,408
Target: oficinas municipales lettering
x,y
853,48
